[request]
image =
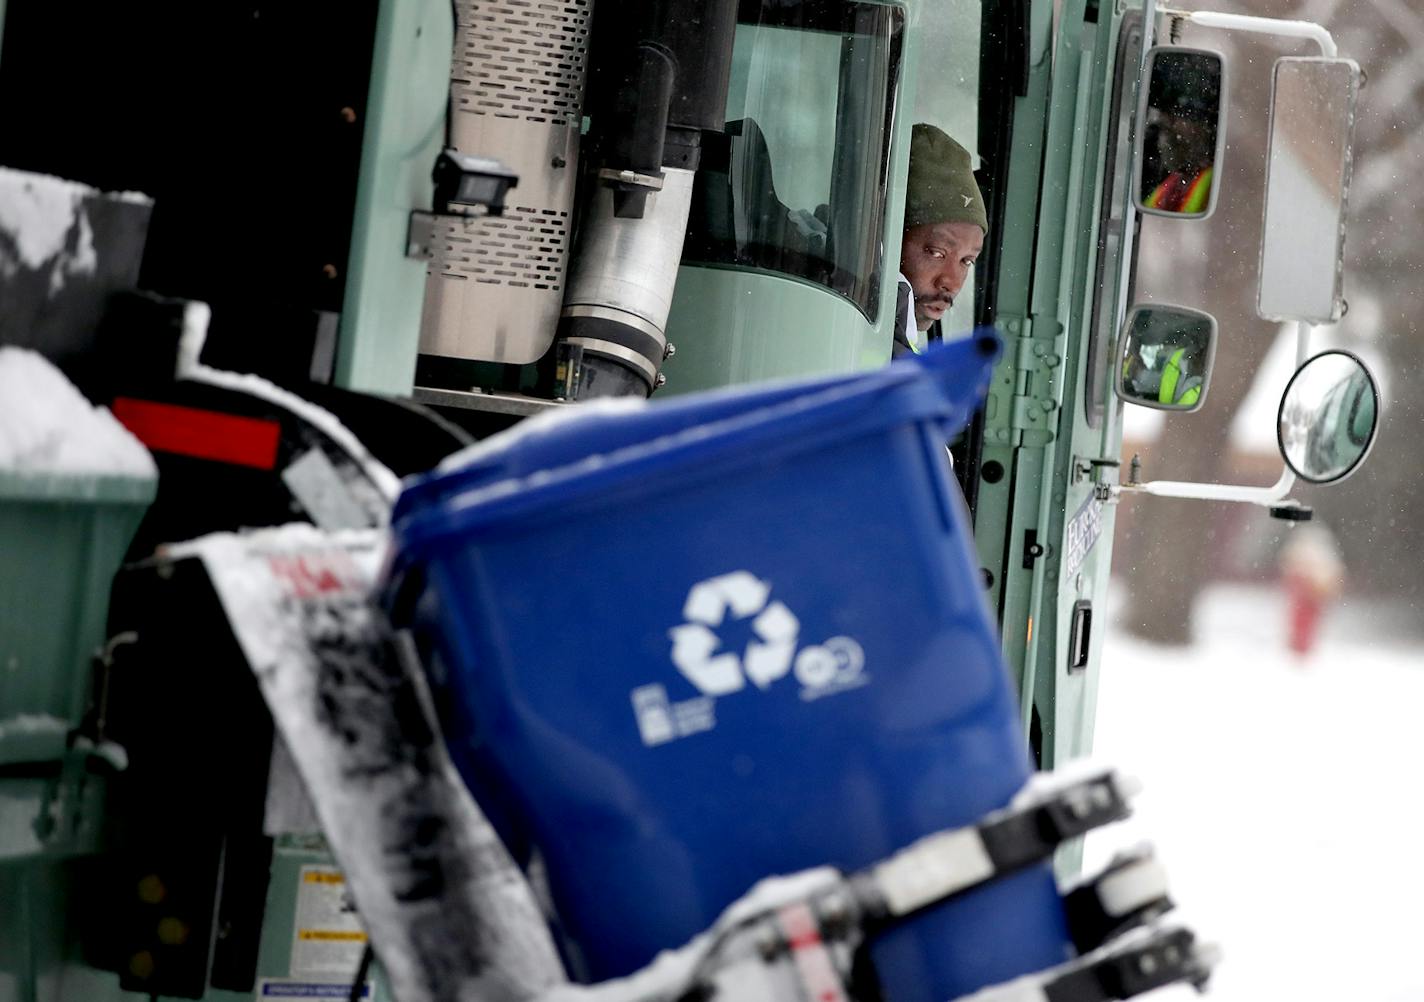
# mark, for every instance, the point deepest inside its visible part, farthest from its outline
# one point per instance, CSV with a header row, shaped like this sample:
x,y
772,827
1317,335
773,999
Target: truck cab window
x,y
797,183
947,97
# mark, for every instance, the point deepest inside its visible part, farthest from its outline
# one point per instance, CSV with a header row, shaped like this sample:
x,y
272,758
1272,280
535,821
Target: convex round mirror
x,y
1166,358
1182,132
1328,418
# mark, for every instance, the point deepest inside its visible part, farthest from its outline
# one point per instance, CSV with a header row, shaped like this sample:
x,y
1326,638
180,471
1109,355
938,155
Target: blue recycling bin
x,y
681,647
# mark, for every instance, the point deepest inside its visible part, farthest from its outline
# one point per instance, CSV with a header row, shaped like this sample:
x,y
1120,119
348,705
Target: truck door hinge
x,y
1032,406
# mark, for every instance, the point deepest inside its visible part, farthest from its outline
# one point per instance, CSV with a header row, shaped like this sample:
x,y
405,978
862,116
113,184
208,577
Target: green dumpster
x,y
62,537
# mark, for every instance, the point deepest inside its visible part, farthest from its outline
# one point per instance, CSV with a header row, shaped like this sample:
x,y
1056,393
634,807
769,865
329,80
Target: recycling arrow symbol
x,y
766,658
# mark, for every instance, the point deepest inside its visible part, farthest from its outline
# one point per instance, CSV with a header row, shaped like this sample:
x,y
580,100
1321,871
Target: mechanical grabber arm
x,y
796,939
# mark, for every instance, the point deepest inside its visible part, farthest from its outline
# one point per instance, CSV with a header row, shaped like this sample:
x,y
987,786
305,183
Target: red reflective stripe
x,y
799,926
819,980
188,431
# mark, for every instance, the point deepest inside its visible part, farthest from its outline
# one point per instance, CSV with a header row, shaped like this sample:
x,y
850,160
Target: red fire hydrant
x,y
1313,575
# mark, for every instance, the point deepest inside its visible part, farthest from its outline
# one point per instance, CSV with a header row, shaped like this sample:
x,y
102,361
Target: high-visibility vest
x,y
1171,376
1178,194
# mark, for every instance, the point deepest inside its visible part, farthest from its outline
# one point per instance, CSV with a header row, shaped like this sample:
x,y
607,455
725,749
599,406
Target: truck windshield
x,y
797,183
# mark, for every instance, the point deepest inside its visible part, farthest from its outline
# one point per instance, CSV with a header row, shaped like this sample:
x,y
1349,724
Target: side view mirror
x,y
1307,179
1183,132
1167,354
1328,417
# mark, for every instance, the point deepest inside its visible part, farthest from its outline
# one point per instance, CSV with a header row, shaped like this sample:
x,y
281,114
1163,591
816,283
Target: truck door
x,y
1051,435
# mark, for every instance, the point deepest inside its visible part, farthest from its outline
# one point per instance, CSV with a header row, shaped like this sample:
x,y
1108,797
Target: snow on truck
x,y
424,660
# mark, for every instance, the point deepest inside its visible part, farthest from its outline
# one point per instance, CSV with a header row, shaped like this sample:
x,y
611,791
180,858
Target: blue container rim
x,y
943,385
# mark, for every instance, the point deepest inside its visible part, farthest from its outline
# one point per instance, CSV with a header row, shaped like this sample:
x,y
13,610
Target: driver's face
x,y
1184,144
936,258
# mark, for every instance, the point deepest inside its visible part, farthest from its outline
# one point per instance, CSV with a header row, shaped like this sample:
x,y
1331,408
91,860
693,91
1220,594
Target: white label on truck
x,y
328,939
271,989
1082,533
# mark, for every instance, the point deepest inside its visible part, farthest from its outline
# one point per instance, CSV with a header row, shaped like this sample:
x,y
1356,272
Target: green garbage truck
x,y
415,224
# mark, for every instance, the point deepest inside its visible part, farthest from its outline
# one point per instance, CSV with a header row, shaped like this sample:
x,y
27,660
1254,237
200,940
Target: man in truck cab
x,y
1179,157
945,227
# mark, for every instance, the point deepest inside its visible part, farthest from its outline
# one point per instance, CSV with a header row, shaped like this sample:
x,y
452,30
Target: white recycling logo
x,y
767,657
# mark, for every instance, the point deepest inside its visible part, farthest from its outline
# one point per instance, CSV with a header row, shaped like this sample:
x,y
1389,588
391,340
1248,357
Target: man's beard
x,y
936,298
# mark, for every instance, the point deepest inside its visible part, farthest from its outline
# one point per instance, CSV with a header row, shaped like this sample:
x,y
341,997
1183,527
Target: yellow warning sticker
x,y
331,935
328,938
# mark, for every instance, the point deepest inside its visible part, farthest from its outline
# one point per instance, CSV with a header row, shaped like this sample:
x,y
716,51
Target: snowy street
x,y
1282,795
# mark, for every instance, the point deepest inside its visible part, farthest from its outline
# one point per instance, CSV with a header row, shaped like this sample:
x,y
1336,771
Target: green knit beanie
x,y
942,188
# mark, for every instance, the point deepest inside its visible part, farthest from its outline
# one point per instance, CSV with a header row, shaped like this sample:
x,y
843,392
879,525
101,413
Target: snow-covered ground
x,y
1284,795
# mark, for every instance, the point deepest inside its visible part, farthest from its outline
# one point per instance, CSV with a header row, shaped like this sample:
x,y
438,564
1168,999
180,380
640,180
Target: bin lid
x,y
552,460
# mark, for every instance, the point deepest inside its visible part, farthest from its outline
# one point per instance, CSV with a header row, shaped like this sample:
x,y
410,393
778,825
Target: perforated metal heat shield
x,y
496,283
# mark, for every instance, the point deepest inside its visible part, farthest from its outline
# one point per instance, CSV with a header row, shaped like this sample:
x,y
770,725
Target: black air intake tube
x,y
658,80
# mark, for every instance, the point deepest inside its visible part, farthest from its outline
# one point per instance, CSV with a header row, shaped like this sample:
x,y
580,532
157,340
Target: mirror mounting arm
x,y
1260,26
1265,496
1326,424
